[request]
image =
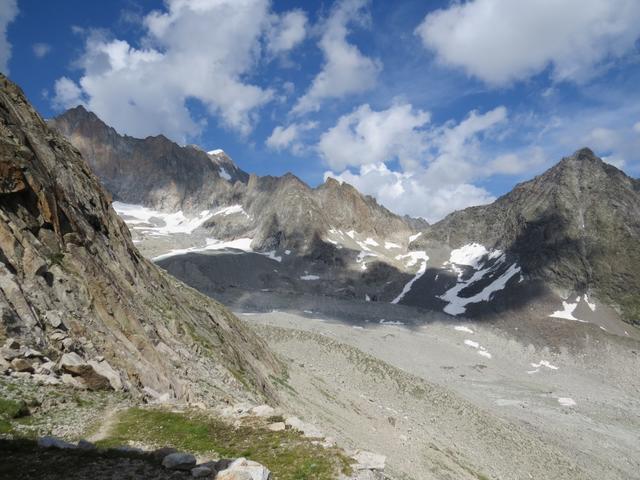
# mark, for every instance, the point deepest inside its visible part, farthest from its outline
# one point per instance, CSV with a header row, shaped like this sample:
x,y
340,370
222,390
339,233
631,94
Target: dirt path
x,y
108,421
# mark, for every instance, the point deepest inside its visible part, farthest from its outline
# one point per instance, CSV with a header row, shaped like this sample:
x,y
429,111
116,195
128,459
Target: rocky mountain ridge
x,y
74,287
575,228
275,212
153,171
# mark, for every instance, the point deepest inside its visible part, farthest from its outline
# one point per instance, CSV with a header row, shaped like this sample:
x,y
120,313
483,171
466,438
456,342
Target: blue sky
x,y
428,106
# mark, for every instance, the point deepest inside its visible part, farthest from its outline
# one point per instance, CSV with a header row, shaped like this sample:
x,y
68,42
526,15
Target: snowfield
x,y
146,219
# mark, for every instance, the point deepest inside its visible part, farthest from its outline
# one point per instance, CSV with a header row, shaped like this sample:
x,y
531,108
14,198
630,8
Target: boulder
x,y
68,343
277,426
52,442
46,368
201,472
32,353
160,453
58,336
179,461
104,369
21,365
253,470
233,475
54,319
73,363
72,381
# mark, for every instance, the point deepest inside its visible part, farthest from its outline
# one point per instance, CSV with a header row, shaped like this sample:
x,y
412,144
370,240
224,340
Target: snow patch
x,y
371,242
230,210
423,268
217,151
567,311
566,401
470,255
309,277
544,363
462,328
146,219
481,350
413,238
592,305
243,244
389,322
457,305
390,245
272,255
414,257
224,174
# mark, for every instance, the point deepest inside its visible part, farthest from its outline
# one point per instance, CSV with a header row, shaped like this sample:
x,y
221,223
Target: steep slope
x,y
576,227
71,280
153,171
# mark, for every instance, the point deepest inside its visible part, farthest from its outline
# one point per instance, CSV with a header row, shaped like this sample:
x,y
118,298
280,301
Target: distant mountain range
x,y
564,244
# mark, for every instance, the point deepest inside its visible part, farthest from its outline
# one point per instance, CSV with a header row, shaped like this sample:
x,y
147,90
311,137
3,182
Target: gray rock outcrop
x,y
63,249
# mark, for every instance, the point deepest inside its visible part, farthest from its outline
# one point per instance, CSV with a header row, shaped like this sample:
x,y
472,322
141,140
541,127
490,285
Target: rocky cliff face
x,y
153,171
576,227
71,280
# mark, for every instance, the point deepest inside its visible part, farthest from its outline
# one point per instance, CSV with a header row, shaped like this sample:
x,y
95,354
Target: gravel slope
x,y
431,399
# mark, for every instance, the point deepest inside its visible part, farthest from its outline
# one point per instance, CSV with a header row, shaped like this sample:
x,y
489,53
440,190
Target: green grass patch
x,y
287,454
10,409
5,427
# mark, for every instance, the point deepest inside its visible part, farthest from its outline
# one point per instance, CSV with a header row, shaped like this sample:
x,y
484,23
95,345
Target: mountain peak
x,y
584,167
585,153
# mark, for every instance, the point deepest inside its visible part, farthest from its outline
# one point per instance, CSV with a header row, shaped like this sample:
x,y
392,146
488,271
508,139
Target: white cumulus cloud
x,y
366,136
67,93
8,13
346,70
192,50
283,138
500,41
410,194
411,166
287,31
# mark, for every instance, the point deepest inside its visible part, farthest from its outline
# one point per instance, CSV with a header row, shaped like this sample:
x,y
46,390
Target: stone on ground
x,y
179,461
